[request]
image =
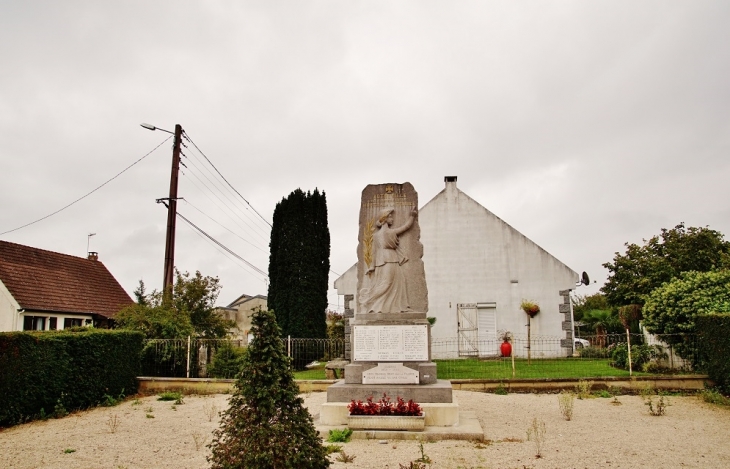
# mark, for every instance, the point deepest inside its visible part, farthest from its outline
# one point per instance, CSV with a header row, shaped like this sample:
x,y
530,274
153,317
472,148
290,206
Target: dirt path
x,y
156,434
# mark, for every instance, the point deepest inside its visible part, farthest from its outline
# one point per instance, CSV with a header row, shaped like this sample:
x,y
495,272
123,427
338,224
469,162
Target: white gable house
x,y
478,271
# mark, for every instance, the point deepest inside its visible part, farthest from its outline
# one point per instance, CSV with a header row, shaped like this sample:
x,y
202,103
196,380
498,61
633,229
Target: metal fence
x,y
189,358
544,355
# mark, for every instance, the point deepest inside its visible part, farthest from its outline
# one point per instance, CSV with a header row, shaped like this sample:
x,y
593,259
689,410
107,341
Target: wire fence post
x,y
187,373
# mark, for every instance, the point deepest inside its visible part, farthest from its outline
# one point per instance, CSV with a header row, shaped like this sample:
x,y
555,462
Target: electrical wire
x,y
220,186
220,204
261,272
253,230
185,134
223,226
89,193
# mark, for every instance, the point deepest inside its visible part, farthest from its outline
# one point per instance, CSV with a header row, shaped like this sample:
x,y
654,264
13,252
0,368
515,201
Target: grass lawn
x,y
472,368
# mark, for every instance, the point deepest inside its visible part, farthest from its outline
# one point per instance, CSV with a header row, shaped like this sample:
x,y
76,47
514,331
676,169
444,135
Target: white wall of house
x,y
60,320
8,311
473,258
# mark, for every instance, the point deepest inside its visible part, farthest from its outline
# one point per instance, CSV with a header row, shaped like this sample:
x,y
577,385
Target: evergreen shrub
x,y
714,332
227,361
41,371
266,425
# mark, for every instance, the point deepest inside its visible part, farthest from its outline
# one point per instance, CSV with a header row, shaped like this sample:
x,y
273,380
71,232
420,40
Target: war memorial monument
x,y
390,336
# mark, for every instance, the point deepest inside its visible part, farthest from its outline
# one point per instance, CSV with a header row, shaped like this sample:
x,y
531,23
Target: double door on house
x,y
477,329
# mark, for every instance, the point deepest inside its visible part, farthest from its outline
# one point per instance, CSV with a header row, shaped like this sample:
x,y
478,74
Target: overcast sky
x,y
584,125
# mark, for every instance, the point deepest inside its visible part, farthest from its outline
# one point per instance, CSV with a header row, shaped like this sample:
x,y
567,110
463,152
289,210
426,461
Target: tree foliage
x,y
190,310
673,307
636,273
299,264
583,304
266,424
227,361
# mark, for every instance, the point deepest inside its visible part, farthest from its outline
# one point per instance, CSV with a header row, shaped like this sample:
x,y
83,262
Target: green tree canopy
x,y
189,311
299,264
673,307
635,274
266,424
582,304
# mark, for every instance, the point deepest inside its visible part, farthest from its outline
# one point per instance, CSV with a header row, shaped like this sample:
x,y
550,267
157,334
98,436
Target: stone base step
x,y
468,428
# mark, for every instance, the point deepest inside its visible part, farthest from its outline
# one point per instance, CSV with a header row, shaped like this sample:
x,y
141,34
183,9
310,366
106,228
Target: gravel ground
x,y
155,434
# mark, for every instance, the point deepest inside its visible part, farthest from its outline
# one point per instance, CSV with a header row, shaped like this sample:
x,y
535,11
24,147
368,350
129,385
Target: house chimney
x,y
93,256
450,182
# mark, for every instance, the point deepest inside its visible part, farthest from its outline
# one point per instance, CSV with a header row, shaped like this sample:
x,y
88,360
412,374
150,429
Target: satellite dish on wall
x,y
584,279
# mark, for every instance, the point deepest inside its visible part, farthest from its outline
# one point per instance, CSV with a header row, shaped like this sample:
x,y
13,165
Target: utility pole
x,y
171,206
172,213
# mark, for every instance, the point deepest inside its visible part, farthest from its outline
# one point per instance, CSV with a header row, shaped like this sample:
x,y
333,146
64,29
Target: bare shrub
x,y
536,433
566,401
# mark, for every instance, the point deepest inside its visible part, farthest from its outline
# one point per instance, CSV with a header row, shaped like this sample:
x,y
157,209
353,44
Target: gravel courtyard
x,y
146,433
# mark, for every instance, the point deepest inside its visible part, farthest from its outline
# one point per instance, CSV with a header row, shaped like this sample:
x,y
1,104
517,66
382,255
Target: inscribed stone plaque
x,y
390,343
390,373
390,274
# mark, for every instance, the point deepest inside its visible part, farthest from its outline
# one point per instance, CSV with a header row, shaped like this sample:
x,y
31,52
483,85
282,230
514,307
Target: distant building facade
x,y
240,311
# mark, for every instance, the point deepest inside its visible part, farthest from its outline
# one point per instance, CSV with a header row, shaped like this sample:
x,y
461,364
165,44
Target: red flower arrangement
x,y
384,407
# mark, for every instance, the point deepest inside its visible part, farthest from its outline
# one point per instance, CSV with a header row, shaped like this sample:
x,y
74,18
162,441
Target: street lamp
x,y
171,206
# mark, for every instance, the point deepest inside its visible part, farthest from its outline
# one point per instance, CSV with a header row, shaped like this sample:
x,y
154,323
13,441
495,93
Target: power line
x,y
251,228
89,193
226,180
222,246
223,226
220,186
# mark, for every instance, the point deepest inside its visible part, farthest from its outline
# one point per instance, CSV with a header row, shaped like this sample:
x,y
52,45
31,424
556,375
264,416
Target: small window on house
x,y
52,324
34,323
71,322
87,322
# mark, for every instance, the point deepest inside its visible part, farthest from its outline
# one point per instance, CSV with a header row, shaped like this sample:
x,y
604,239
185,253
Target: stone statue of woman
x,y
385,287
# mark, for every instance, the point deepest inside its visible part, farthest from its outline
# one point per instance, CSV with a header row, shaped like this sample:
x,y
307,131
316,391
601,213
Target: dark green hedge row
x,y
714,332
69,370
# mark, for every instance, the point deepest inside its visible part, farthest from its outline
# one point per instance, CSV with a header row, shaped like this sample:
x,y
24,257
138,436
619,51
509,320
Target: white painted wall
x,y
472,256
8,311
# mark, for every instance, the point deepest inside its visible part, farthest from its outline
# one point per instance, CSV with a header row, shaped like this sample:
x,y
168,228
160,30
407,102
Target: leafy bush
x,y
227,361
171,396
339,436
65,371
714,331
713,396
640,354
593,352
674,307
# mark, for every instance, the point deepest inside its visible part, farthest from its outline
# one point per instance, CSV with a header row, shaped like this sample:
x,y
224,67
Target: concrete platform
x,y
468,428
440,391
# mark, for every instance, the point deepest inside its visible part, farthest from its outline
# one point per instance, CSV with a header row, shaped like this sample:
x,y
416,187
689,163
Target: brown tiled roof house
x,y
42,290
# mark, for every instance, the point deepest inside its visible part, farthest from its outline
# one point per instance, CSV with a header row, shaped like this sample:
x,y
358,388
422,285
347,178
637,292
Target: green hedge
x,y
69,370
714,332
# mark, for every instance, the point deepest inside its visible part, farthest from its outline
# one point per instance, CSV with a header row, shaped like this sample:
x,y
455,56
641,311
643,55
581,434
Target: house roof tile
x,y
51,281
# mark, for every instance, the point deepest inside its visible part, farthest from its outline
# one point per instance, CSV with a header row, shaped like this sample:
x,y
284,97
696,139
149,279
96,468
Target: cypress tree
x,y
266,425
299,264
